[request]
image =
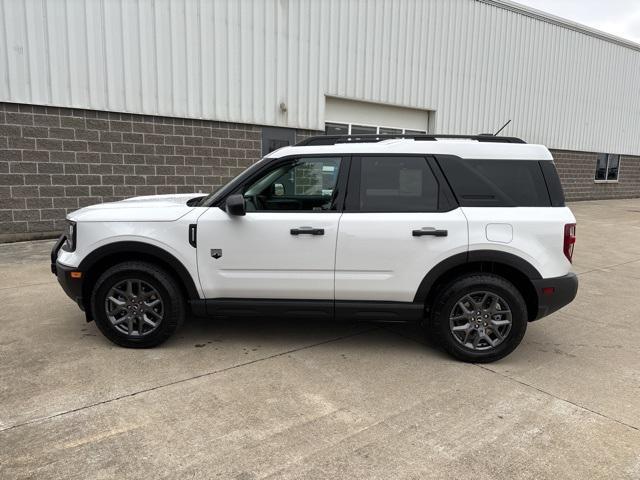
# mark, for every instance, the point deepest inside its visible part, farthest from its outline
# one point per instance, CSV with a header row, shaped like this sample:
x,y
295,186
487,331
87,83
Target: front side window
x,y
607,167
306,184
397,184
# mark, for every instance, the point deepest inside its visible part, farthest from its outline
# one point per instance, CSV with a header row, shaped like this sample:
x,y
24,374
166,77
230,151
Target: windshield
x,y
213,197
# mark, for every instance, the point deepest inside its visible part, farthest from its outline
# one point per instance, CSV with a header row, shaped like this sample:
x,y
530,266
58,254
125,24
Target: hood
x,y
150,208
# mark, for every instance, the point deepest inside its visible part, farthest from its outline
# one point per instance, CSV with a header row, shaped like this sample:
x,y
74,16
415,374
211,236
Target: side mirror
x,y
235,205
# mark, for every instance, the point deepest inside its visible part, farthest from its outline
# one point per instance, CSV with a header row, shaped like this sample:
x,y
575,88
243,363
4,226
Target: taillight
x,y
569,240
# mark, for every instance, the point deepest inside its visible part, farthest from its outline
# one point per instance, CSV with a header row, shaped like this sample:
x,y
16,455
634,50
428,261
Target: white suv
x,y
468,236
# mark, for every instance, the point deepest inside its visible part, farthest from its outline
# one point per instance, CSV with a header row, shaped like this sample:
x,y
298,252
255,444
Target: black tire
x,y
168,290
448,297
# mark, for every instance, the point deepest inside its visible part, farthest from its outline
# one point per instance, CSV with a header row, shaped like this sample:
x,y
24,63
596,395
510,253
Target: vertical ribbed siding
x,y
474,63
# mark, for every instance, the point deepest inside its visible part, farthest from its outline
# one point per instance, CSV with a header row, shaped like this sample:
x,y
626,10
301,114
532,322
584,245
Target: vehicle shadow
x,y
299,333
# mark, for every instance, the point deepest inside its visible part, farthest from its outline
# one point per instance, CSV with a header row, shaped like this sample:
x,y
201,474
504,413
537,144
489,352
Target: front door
x,y
284,247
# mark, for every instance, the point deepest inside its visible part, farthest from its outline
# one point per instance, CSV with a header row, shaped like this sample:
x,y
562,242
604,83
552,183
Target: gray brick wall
x,y
56,160
577,170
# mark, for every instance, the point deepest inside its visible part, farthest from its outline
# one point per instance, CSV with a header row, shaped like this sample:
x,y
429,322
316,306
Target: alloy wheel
x,y
480,320
134,307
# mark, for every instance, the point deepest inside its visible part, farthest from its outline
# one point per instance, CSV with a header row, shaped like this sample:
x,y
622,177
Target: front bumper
x,y
555,293
71,286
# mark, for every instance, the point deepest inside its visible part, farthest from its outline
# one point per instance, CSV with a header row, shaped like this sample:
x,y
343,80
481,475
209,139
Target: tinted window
x,y
397,184
553,183
496,183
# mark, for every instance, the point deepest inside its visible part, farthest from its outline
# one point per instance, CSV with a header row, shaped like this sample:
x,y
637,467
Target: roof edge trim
x,y
561,22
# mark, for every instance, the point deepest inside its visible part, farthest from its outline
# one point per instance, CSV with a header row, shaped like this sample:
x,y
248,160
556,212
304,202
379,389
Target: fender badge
x,y
216,253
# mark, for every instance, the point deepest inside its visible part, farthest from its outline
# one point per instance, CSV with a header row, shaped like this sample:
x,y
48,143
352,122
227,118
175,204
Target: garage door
x,y
351,117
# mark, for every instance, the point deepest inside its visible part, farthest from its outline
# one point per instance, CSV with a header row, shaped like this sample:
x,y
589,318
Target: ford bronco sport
x,y
468,236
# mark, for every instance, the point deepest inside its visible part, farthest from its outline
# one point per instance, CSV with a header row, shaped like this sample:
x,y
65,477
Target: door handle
x,y
431,231
307,231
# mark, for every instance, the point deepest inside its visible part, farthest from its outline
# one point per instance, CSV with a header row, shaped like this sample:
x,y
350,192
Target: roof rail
x,y
334,139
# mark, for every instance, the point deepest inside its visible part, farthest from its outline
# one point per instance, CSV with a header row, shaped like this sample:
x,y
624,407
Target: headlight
x,y
71,234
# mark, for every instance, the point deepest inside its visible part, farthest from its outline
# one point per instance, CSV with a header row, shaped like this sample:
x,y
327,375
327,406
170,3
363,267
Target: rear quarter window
x,y
496,183
553,183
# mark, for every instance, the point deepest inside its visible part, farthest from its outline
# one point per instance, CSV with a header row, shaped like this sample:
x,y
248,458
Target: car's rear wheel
x,y
479,318
137,304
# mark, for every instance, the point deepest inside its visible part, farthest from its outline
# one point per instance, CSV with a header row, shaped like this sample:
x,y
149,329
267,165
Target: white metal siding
x,y
472,62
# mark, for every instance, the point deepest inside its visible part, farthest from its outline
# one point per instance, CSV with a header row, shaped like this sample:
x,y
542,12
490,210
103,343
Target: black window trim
x,y
345,163
446,200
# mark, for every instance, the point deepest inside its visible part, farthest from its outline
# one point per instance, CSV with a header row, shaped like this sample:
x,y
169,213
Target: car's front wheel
x,y
479,318
137,304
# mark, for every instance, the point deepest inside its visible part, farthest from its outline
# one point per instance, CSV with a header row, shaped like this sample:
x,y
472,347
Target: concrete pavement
x,y
258,399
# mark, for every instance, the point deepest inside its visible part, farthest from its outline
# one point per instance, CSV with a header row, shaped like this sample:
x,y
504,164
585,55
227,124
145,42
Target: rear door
x,y
400,220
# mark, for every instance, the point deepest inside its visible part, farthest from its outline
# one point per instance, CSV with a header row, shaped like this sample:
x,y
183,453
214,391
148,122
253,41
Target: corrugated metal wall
x,y
474,63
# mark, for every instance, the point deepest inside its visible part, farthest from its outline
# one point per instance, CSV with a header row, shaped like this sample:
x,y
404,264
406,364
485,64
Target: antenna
x,y
503,127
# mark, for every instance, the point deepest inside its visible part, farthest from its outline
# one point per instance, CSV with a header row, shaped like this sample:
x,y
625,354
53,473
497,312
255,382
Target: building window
x,y
363,130
336,129
333,128
607,167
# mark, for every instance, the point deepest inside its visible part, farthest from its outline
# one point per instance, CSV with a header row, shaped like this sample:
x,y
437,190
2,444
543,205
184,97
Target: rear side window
x,y
553,183
397,184
496,183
